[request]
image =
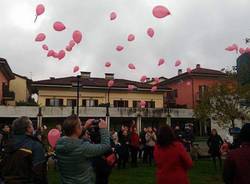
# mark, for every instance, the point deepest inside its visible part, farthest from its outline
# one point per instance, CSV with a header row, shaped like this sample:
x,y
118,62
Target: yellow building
x,y
21,86
94,92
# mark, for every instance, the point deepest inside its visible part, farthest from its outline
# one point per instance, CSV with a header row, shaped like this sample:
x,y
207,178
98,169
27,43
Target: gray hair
x,y
20,125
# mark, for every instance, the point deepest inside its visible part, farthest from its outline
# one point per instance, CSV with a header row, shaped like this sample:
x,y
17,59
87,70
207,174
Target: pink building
x,y
188,87
5,76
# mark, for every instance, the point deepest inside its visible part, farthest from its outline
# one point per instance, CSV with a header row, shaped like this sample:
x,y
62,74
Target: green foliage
x,y
222,103
30,102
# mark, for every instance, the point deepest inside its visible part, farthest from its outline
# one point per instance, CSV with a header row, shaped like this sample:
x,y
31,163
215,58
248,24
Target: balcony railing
x,y
54,112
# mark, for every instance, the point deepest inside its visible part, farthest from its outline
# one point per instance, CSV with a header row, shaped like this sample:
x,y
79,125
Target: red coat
x,y
134,139
172,164
237,166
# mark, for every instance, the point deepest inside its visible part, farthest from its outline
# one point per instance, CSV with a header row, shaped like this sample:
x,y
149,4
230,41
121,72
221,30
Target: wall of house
x,y
101,96
19,86
2,80
188,89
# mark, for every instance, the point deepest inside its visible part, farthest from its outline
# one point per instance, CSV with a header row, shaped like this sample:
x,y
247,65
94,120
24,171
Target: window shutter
x,y
95,103
47,102
60,102
84,103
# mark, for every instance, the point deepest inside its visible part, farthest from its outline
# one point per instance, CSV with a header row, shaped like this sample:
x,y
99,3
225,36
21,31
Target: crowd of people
x,y
87,152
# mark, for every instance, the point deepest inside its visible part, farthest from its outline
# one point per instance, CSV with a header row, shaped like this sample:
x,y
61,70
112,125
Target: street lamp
x,y
107,109
77,85
39,117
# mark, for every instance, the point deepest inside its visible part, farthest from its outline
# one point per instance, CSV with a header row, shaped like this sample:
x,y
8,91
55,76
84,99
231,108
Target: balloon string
x,y
35,19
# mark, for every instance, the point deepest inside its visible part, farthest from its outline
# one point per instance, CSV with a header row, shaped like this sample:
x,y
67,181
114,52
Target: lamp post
x,y
39,117
77,85
107,110
77,94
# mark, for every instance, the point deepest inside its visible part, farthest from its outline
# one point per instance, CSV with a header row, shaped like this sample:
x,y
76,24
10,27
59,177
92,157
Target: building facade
x,y
188,88
5,76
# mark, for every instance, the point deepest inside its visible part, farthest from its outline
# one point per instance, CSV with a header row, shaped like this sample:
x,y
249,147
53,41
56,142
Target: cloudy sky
x,y
197,32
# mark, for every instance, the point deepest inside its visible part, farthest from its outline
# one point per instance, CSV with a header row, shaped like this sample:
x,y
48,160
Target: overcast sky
x,y
197,32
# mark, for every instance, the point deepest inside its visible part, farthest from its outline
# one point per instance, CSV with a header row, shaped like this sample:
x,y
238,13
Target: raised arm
x,y
93,150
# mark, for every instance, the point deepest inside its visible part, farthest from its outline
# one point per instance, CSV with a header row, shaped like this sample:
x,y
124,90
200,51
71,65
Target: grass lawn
x,y
202,173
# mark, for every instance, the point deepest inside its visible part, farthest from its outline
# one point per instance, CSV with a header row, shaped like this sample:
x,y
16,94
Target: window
x,y
202,90
136,104
90,103
71,102
120,103
150,104
55,102
175,93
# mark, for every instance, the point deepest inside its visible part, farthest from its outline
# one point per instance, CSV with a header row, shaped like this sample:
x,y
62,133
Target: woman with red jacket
x,y
134,145
172,160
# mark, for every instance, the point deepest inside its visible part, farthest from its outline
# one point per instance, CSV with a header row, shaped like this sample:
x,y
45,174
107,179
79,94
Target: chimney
x,y
85,75
179,71
198,66
109,76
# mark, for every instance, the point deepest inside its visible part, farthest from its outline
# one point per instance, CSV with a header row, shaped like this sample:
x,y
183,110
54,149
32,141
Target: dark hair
x,y
69,124
20,125
165,136
245,133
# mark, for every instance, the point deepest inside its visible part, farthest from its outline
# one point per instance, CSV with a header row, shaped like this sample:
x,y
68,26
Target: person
x,y
134,146
114,136
150,143
142,151
59,128
4,136
237,164
188,138
172,160
74,154
123,149
25,160
214,143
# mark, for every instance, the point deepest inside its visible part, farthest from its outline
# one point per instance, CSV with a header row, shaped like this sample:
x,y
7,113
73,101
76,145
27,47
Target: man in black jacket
x,y
24,160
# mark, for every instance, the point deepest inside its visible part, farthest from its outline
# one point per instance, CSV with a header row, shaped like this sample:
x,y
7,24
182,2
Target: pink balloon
x,y
45,47
189,70
233,47
72,43
55,55
242,51
59,26
154,89
119,48
53,136
113,16
150,32
110,83
156,80
177,63
107,64
247,50
188,83
51,53
61,54
143,78
40,9
161,62
131,66
131,87
142,104
40,37
77,36
68,48
76,69
160,11
131,37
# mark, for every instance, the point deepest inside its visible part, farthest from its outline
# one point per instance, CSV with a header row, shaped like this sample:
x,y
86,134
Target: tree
x,y
222,103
